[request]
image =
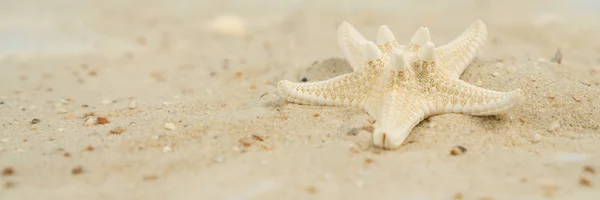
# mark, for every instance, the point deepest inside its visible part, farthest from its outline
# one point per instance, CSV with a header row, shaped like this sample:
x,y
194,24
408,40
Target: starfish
x,y
401,85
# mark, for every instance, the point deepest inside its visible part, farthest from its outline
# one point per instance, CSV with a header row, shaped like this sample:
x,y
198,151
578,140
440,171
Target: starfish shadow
x,y
494,121
324,69
316,71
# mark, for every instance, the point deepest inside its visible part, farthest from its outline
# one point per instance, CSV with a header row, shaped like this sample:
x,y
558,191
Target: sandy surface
x,y
64,60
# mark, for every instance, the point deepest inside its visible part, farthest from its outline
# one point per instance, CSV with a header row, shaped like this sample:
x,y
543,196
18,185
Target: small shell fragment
x,y
458,150
553,126
117,130
170,126
102,120
90,121
535,138
132,105
228,24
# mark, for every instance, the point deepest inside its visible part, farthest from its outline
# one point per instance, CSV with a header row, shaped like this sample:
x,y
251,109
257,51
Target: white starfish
x,y
400,85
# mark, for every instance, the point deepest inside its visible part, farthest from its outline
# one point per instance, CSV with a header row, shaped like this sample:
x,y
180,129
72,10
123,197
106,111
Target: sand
x,y
177,100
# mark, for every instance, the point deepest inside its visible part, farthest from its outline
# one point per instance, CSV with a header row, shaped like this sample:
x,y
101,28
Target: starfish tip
x,y
344,23
426,53
421,36
281,82
519,95
479,21
344,27
384,35
388,139
397,62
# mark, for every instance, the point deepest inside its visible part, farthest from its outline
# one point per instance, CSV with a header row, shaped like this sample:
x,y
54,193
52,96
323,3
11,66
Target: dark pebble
x,y
353,131
557,57
304,79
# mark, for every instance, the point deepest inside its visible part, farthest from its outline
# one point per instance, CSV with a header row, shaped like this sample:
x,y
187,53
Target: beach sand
x,y
177,100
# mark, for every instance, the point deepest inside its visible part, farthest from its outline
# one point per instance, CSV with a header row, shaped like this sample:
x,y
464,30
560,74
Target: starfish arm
x,y
349,41
398,115
455,56
347,90
457,96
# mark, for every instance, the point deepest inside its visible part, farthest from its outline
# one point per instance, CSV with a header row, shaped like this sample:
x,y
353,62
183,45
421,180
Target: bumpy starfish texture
x,y
400,85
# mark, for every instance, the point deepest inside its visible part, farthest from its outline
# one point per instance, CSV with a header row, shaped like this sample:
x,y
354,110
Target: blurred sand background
x,y
148,99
